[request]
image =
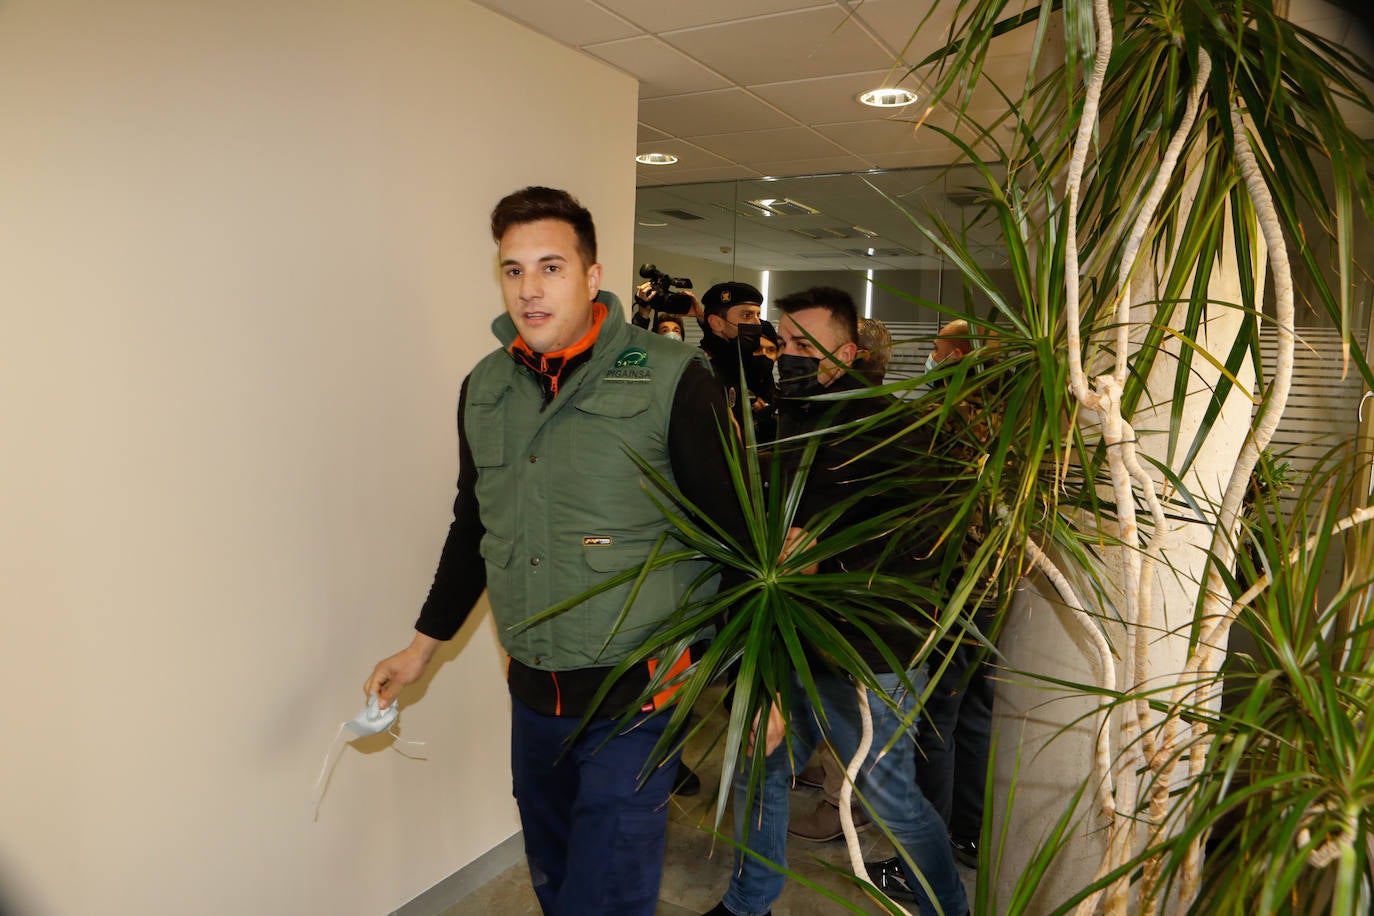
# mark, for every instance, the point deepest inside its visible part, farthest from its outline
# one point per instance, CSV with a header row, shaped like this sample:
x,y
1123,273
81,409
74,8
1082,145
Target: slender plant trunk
x,y
851,833
1128,757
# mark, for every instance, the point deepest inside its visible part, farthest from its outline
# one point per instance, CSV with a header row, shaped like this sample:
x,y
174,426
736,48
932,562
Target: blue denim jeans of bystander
x,y
887,784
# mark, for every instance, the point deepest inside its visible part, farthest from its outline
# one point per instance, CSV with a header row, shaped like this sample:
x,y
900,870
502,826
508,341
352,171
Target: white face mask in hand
x,y
373,720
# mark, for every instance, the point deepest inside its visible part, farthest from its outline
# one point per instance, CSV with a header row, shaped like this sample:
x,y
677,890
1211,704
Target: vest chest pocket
x,y
609,421
485,431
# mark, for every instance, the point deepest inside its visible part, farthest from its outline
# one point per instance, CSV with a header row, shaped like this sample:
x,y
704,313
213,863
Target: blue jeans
x,y
888,785
594,837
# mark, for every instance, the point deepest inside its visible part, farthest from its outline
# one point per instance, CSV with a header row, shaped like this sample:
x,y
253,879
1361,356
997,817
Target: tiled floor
x,y
697,868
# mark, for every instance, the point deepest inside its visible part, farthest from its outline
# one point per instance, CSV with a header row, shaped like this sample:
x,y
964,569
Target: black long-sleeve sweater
x,y
894,475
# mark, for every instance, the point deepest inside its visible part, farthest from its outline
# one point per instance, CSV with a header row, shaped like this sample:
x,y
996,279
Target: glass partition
x,y
859,232
835,230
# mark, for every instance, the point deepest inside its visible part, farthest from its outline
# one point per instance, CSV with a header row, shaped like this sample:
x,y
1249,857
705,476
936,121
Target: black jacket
x,y
905,473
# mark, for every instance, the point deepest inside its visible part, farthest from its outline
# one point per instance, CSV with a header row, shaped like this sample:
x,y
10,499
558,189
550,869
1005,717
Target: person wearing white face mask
x,y
954,341
953,764
669,326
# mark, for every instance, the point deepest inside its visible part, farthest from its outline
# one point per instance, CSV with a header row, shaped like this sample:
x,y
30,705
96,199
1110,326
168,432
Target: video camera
x,y
658,294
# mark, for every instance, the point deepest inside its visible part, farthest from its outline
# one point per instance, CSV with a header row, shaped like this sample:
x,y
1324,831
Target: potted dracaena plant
x,y
1176,174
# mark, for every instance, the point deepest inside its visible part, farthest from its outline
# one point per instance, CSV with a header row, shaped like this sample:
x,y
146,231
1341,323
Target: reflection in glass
x,y
858,232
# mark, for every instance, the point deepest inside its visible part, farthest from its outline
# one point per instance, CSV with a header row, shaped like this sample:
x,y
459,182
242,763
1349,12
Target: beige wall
x,y
244,263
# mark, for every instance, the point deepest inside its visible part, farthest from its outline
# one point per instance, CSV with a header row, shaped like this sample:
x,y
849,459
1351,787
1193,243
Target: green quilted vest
x,y
563,504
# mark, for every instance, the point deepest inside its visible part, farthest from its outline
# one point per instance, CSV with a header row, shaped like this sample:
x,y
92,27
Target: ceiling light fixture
x,y
656,159
650,224
889,97
783,206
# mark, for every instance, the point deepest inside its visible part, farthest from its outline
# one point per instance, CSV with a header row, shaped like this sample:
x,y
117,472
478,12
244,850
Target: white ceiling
x,y
754,88
751,89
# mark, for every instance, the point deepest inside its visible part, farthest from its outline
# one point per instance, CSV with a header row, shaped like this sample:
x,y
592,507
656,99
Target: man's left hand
x,y
774,732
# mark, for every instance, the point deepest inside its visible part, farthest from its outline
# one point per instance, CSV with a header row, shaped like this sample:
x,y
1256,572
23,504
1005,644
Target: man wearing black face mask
x,y
818,332
731,332
763,386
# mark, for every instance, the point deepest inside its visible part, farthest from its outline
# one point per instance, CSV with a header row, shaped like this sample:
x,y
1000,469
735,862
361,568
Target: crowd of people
x,y
550,426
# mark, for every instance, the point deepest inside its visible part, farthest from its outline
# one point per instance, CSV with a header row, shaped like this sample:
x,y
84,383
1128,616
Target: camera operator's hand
x,y
644,294
696,311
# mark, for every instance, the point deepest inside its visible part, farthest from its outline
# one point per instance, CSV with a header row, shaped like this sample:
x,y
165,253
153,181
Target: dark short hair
x,y
530,205
769,331
661,317
835,301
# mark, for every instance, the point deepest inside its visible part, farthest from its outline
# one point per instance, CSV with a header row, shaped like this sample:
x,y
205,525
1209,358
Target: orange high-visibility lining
x,y
683,662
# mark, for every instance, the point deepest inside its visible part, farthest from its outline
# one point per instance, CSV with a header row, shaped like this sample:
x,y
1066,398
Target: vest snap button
x,y
534,561
534,459
539,659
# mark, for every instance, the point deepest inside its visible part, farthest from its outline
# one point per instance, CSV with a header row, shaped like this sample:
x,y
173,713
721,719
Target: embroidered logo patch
x,y
596,540
631,366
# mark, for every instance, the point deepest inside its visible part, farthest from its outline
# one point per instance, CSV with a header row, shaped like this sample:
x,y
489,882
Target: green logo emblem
x,y
632,357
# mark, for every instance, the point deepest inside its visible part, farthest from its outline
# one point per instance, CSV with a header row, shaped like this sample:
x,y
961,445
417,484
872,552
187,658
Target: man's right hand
x,y
394,674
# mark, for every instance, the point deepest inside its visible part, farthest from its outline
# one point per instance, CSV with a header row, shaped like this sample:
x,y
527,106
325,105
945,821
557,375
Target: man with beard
x,y
818,331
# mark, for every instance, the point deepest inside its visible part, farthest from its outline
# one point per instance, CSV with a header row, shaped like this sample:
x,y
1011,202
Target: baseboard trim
x,y
467,879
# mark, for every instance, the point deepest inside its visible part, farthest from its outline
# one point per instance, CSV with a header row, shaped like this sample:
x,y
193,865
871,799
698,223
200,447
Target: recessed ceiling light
x,y
783,206
656,159
890,97
650,224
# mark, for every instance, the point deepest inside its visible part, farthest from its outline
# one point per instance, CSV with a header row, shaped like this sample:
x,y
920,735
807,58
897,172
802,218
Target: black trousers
x,y
954,739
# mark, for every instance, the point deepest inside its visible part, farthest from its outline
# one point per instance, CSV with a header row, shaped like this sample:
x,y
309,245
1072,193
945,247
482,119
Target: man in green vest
x,y
550,503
